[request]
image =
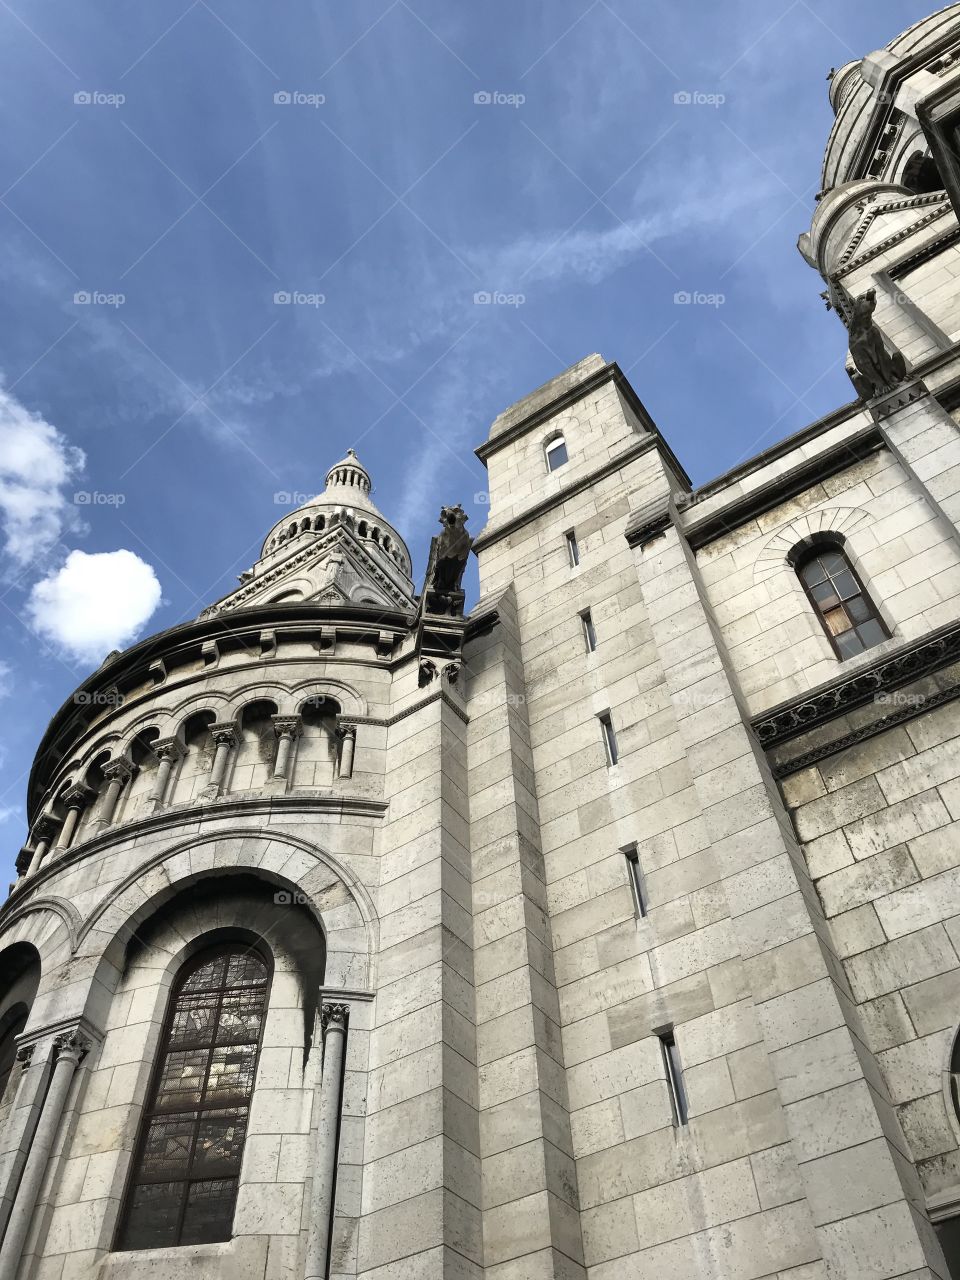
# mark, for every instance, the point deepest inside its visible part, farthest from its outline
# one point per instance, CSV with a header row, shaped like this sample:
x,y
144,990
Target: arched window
x,y
556,453
12,1023
183,1181
848,615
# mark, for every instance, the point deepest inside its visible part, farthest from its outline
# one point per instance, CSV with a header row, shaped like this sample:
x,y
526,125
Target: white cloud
x,y
6,680
36,463
94,603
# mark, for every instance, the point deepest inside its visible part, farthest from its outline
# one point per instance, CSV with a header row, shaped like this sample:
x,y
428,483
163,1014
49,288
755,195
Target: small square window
x,y
556,453
589,634
573,548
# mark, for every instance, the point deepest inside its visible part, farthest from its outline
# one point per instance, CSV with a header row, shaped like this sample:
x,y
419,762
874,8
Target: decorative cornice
x,y
891,402
649,522
884,246
917,706
440,696
786,485
921,658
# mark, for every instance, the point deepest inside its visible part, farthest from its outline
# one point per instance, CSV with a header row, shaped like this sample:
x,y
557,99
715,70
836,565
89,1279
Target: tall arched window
x,y
183,1181
556,453
849,616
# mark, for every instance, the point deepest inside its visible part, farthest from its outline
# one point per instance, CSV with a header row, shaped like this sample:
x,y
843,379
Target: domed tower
x,y
245,871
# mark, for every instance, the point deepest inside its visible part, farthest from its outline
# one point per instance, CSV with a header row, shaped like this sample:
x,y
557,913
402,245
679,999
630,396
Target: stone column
x,y
44,829
76,800
287,729
226,735
70,1048
19,1128
347,733
168,751
118,773
334,1022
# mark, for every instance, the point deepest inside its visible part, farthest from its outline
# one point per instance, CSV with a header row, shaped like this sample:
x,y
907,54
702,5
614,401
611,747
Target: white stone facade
x,y
614,930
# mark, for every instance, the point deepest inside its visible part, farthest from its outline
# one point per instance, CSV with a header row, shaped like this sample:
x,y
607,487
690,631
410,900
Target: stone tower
x,y
608,932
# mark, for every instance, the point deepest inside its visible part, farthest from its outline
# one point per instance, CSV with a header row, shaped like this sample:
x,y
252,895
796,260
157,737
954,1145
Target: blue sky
x,y
182,164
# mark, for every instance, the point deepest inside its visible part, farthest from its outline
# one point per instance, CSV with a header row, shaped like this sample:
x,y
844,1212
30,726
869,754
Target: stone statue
x,y
453,550
879,370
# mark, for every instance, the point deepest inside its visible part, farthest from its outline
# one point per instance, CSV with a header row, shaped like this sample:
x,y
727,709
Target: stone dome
x,y
854,100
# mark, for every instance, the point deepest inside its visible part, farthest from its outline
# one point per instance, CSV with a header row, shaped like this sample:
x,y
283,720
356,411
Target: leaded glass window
x,y
847,613
183,1185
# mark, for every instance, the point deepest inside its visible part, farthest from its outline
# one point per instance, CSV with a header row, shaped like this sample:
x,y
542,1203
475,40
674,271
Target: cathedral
x,y
609,930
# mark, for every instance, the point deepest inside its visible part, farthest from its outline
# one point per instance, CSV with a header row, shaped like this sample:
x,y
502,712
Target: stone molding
x,y
332,802
923,704
922,657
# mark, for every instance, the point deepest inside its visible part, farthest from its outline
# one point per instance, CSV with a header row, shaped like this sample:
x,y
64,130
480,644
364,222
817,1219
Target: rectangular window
x,y
674,1073
636,879
609,739
589,634
573,550
556,454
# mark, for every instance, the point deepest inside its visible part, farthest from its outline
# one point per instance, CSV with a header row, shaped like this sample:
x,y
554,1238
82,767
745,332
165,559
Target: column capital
x,y
225,733
335,1013
71,1044
25,1055
77,796
168,749
44,828
119,770
345,729
24,858
290,725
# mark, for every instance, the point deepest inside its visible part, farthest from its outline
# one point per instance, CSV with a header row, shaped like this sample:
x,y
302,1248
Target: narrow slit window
x,y
589,633
609,739
674,1074
573,548
636,880
556,452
